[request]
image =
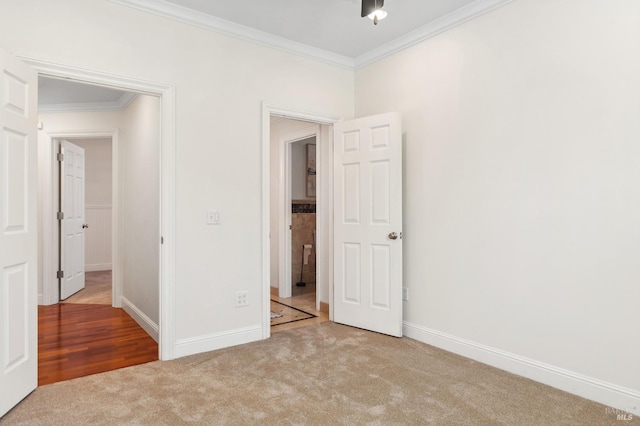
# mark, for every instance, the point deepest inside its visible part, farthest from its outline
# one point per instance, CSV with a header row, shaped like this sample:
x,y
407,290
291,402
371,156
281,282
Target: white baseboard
x,y
608,394
40,299
211,342
143,320
98,267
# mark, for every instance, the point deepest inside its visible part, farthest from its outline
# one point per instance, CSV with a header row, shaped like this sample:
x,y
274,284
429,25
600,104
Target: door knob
x,y
85,226
393,236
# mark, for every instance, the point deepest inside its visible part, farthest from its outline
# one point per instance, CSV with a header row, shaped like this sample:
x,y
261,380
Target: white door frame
x,y
324,205
166,93
50,206
284,211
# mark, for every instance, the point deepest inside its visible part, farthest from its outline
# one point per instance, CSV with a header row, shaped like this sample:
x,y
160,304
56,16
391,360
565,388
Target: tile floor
x,y
303,298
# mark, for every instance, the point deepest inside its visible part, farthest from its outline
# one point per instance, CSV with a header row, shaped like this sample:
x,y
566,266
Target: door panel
x,y
18,233
368,210
73,231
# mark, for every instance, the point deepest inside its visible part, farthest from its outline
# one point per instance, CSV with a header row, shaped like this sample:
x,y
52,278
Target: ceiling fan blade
x,y
369,6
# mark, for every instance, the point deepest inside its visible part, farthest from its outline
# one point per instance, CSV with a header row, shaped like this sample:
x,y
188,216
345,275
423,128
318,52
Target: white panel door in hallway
x,y
73,224
368,223
18,232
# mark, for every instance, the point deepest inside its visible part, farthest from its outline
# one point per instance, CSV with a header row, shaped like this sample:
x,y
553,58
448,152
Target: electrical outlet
x,y
405,293
242,298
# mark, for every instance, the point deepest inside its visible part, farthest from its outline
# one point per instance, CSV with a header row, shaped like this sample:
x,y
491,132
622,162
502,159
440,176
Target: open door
x,y
368,223
72,224
18,233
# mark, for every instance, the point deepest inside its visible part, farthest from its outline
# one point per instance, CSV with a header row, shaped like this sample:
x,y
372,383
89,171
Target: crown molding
x,y
119,105
202,20
433,28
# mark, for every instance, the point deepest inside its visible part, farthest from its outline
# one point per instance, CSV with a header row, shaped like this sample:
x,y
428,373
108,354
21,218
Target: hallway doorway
x,y
92,320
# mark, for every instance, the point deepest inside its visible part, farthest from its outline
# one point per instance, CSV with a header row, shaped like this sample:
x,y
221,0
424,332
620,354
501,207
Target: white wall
x,y
220,84
522,199
140,156
98,193
299,169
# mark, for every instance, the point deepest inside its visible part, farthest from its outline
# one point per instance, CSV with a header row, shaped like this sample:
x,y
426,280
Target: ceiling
x,y
57,95
330,31
326,30
331,25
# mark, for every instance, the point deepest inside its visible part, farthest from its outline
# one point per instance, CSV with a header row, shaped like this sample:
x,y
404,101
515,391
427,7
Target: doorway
x,y
96,256
364,253
285,128
166,96
296,296
110,213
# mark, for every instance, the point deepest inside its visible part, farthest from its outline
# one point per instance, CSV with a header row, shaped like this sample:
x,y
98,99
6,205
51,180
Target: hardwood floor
x,y
78,340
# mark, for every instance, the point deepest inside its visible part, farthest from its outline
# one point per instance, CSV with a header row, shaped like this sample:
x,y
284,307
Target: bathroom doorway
x,y
298,215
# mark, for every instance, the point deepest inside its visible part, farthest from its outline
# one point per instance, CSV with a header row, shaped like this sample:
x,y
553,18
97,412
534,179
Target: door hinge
x,y
161,240
60,215
60,274
60,157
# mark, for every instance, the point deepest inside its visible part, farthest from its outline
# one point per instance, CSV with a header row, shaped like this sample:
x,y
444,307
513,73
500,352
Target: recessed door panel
x,y
14,299
380,137
16,92
351,191
380,276
380,192
14,190
351,141
352,279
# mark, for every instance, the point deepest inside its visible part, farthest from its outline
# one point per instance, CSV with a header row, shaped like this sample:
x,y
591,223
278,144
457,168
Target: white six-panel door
x,y
18,233
368,223
73,223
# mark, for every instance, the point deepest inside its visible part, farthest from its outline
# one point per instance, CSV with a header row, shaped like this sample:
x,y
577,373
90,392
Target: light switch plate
x,y
213,217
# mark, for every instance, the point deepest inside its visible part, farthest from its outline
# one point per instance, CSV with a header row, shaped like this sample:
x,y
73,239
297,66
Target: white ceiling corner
x,y
336,36
431,29
213,23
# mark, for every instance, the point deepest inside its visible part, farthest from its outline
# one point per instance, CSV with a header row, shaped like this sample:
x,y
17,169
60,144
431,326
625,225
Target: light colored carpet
x,y
317,375
97,290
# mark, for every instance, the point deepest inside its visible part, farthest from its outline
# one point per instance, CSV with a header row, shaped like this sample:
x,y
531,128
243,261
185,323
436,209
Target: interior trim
x,y
166,92
431,29
119,105
143,320
202,20
569,381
